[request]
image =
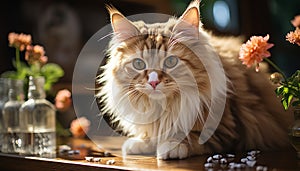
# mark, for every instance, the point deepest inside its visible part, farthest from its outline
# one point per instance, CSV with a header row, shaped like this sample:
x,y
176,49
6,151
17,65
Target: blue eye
x,y
138,64
171,62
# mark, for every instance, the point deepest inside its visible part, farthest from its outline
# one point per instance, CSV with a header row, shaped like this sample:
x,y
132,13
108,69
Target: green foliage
x,y
52,72
290,91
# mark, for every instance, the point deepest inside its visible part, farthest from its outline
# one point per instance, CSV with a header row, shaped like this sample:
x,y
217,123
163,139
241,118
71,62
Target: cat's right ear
x,y
122,27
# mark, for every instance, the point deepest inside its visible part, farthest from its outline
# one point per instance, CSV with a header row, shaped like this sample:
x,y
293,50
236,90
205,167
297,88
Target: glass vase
x,y
10,114
294,131
37,128
3,99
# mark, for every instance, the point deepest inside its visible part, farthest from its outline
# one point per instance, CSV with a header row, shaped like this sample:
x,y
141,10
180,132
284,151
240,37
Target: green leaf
x,y
290,99
285,90
279,90
52,72
284,104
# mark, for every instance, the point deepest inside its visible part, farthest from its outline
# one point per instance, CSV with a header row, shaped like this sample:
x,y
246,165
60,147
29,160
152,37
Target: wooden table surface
x,y
286,160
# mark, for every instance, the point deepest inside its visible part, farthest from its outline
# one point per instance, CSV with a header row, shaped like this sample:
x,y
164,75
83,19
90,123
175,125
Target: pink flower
x,y
63,100
296,21
34,54
43,60
294,36
79,127
19,41
255,50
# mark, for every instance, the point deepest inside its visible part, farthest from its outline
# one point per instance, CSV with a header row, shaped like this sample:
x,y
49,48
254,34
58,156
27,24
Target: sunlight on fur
x,y
160,83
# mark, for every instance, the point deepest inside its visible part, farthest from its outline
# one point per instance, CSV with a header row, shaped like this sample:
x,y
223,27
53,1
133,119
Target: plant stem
x,y
277,68
18,59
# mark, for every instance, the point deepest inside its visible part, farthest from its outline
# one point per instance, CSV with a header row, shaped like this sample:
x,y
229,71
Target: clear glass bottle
x,y
10,115
294,131
38,122
3,99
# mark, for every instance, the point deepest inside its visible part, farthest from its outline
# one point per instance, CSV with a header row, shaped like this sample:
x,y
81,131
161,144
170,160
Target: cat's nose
x,y
154,83
153,79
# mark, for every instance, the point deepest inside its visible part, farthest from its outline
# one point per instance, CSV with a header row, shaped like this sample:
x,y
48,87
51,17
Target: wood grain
x,y
285,160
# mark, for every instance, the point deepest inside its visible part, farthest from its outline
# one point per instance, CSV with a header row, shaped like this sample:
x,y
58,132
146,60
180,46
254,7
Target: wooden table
x,y
286,160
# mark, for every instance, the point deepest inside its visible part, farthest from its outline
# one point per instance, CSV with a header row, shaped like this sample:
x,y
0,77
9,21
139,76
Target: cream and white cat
x,y
163,81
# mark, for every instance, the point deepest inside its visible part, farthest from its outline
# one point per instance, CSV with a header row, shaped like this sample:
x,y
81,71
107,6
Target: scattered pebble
x,y
236,165
217,156
244,160
209,165
64,148
251,157
226,161
76,151
71,152
107,154
110,162
223,161
250,163
230,155
209,159
253,152
96,159
261,168
89,159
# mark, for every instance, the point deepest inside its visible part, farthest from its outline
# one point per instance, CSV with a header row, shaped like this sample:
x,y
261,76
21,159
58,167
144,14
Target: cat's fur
x,y
252,119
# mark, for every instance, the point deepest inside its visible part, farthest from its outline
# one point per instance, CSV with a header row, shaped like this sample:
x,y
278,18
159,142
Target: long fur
x,y
208,71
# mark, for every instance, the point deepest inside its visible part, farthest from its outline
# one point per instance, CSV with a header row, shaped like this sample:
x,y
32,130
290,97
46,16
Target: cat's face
x,y
147,61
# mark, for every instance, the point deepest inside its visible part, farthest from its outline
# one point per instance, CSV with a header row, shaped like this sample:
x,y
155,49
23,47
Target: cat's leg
x,y
172,149
138,146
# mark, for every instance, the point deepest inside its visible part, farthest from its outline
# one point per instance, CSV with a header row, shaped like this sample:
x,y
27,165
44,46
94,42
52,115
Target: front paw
x,y
137,146
172,150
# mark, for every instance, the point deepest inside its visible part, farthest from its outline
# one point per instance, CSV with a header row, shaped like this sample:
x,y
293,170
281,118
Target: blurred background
x,y
64,26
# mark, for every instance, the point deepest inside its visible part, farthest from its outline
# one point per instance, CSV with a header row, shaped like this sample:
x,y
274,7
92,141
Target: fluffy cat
x,y
163,81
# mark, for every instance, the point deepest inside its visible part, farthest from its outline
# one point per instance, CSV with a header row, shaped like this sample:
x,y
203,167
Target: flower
x,y
255,50
34,54
63,100
296,21
19,41
35,61
79,127
294,36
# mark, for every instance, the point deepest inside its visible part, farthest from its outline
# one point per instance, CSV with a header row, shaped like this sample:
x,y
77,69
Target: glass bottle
x,y
38,121
294,131
10,114
3,99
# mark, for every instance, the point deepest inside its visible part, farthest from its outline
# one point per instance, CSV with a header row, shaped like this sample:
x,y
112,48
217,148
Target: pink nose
x,y
154,83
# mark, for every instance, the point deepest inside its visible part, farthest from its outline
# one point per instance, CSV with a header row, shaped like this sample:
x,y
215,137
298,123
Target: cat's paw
x,y
172,150
137,146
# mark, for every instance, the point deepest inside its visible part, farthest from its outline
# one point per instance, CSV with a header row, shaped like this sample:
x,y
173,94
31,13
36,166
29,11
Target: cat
x,y
162,82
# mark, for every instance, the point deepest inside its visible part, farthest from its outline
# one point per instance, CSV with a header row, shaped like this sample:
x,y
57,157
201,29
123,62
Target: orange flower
x,y
19,41
294,36
296,21
34,54
79,127
255,50
63,100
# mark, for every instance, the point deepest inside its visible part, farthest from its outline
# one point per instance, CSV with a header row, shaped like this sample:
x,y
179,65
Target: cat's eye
x,y
171,61
138,64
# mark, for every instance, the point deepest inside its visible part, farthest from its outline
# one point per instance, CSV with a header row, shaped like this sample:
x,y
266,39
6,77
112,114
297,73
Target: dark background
x,y
63,27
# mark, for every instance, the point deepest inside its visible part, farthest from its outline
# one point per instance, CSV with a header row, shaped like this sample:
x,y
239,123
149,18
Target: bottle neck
x,y
16,90
36,88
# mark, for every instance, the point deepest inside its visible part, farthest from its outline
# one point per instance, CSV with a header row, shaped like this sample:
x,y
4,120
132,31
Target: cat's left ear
x,y
123,28
190,19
